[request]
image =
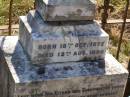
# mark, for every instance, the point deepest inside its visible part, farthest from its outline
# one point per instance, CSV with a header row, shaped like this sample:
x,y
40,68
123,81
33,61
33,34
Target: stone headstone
x,y
71,41
64,10
63,33
99,78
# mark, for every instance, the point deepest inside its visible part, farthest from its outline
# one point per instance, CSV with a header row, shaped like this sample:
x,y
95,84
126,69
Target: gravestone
x,y
21,78
71,41
60,53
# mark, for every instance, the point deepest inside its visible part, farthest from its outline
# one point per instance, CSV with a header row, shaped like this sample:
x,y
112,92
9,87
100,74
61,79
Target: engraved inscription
x,y
70,45
106,91
66,49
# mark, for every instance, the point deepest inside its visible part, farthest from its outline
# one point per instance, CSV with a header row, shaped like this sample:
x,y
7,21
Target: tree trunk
x,y
105,13
122,30
10,17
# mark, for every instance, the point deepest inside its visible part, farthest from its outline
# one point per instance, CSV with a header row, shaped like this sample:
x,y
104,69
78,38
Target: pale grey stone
x,y
49,42
64,10
101,78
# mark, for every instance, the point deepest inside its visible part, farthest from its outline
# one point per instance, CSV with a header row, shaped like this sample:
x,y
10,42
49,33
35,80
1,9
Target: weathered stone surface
x,y
102,78
50,42
64,10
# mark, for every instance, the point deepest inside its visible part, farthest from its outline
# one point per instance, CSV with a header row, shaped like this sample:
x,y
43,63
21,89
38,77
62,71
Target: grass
x,y
114,34
124,59
118,8
20,7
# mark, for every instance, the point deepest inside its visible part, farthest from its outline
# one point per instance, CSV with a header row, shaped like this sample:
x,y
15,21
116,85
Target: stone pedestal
x,y
20,78
64,10
60,52
48,42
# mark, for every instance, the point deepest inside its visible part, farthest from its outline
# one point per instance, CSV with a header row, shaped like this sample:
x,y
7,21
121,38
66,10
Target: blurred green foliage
x,y
118,5
20,7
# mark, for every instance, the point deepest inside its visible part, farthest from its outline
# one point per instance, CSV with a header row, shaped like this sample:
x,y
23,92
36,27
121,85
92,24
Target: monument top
x,y
66,10
68,2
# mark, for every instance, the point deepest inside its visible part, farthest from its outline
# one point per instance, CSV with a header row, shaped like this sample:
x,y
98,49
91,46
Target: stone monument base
x,y
20,78
65,42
